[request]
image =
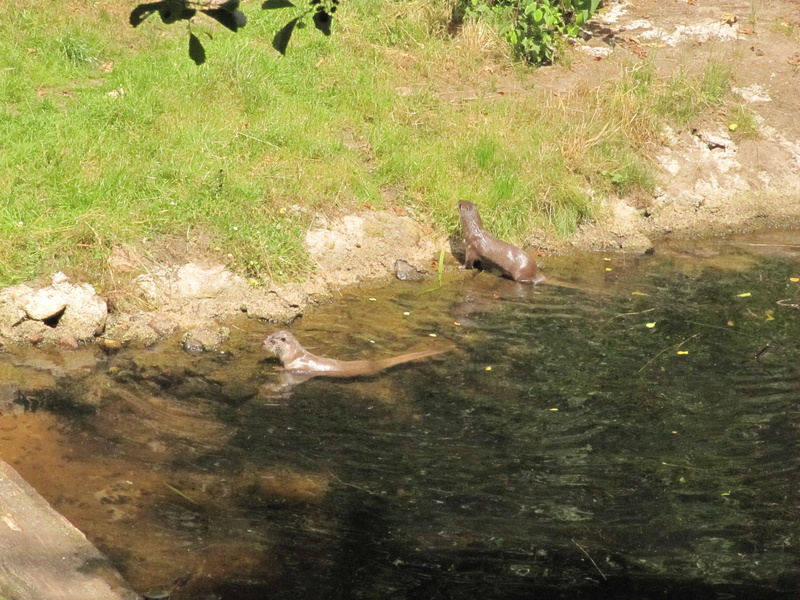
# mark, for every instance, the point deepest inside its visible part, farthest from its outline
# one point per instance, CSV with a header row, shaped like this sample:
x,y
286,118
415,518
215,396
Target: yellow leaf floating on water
x,y
744,295
650,325
683,352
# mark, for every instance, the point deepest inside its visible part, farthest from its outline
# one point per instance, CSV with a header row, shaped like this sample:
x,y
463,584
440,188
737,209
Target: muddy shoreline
x,y
198,302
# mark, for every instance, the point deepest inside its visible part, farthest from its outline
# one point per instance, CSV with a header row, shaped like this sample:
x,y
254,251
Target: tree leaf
x,y
281,39
271,4
196,51
322,21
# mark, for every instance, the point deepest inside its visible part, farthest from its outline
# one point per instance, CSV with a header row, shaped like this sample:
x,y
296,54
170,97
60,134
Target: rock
x,y
272,308
365,246
285,304
85,313
190,282
137,332
405,271
163,326
193,281
31,332
109,345
148,288
45,304
11,300
68,342
57,311
204,338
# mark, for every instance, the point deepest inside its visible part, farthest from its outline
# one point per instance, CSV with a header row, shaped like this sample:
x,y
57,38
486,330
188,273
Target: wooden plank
x,y
43,557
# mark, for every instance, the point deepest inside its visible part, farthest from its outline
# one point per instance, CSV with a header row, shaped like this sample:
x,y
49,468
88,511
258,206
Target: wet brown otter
x,y
296,359
484,247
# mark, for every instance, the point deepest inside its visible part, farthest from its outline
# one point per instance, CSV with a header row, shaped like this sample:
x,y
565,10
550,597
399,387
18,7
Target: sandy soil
x,y
712,180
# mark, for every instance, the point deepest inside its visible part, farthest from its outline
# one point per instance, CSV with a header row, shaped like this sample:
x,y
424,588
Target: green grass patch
x,y
743,122
114,136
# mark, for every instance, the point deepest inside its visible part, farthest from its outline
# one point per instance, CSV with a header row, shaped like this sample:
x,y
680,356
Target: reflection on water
x,y
636,441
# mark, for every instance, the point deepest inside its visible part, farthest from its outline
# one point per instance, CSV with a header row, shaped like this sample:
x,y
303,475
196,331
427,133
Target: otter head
x,y
469,213
465,206
281,343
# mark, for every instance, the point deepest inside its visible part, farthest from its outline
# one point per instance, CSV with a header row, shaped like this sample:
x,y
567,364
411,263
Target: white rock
x,y
190,282
11,301
753,93
193,281
44,304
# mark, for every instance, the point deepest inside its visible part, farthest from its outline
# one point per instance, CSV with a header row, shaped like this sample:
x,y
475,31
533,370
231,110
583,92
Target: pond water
x,y
634,435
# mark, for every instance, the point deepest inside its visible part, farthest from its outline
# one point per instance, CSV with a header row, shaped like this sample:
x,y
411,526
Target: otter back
x,y
482,246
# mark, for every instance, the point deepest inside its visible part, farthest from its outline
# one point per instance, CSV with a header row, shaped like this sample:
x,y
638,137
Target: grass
x,y
113,136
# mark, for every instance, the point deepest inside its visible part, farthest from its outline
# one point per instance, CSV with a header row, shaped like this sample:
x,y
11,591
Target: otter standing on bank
x,y
296,359
483,246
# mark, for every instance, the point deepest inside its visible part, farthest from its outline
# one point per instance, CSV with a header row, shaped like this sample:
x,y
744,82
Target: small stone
x,y
163,326
110,345
59,278
405,271
198,340
139,333
68,342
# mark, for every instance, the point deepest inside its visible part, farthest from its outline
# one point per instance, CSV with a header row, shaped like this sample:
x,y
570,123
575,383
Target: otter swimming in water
x,y
483,246
296,359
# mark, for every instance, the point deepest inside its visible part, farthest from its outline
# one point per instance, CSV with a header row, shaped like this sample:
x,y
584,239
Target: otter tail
x,y
385,363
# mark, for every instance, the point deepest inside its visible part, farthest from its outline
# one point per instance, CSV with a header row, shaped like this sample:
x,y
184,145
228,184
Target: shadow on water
x,y
637,442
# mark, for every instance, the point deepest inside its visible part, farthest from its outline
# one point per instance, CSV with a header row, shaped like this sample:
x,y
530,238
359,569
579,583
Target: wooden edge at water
x,y
43,557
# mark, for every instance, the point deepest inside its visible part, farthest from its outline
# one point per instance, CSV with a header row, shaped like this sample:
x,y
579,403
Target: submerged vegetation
x,y
113,137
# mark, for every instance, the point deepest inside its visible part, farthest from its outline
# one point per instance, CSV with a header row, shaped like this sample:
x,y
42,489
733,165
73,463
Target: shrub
x,y
535,28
